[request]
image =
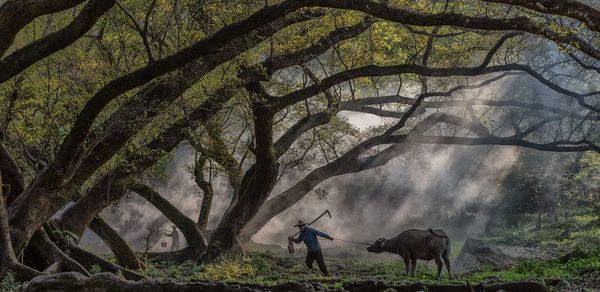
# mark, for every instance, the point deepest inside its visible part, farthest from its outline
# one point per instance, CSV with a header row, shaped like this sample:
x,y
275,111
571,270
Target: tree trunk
x,y
538,223
196,243
205,207
32,208
123,253
7,254
11,175
207,191
257,184
8,261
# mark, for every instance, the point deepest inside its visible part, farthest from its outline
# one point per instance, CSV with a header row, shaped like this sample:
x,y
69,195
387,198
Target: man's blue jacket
x,y
309,236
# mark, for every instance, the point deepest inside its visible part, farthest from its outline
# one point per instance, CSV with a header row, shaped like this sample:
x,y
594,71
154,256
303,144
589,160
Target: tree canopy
x,y
97,94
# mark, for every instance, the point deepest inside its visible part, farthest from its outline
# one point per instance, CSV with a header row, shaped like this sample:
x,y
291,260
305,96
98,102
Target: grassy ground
x,y
576,260
267,269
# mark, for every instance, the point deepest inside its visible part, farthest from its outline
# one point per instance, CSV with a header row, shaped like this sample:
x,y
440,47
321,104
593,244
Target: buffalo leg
x,y
447,263
407,265
413,266
439,264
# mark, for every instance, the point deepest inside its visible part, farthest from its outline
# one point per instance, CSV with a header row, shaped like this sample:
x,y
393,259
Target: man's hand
x,y
331,239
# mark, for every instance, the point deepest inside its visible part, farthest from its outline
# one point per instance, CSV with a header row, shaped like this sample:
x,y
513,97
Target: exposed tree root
x,y
109,282
184,255
123,253
88,259
22,272
176,255
196,243
58,261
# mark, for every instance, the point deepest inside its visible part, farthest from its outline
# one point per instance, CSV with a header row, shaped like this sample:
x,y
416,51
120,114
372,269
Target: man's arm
x,y
323,234
296,240
168,234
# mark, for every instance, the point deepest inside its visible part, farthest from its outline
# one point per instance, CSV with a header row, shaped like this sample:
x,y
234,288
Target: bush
x,y
230,269
9,283
95,269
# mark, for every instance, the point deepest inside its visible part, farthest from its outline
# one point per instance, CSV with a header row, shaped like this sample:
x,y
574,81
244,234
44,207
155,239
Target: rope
x,y
351,241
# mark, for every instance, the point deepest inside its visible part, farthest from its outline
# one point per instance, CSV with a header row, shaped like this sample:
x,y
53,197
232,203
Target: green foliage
x,y
230,270
95,269
587,180
566,235
182,272
569,268
9,283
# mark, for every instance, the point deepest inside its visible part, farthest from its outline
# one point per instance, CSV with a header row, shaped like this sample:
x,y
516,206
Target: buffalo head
x,y
377,246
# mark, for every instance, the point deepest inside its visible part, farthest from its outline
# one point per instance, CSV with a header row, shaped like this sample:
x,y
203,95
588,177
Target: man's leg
x,y
321,263
310,258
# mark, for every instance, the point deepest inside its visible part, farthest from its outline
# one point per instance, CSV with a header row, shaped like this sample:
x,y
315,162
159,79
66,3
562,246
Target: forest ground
x,y
575,264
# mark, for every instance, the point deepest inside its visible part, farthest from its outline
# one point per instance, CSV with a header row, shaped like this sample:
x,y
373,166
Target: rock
x,y
494,279
477,255
563,285
559,284
589,281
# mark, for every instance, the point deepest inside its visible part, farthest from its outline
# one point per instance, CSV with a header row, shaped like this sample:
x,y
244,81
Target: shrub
x,y
9,283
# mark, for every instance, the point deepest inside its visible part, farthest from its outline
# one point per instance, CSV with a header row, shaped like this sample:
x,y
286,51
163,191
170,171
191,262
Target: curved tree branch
x,y
569,8
22,58
109,188
16,14
123,253
196,243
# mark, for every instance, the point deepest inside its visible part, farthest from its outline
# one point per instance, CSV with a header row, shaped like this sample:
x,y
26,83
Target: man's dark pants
x,y
312,256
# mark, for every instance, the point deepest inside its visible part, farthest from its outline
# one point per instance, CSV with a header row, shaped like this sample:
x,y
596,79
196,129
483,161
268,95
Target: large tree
x,y
96,93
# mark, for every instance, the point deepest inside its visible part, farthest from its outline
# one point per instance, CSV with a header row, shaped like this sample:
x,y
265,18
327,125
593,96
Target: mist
x,y
421,189
420,192
431,186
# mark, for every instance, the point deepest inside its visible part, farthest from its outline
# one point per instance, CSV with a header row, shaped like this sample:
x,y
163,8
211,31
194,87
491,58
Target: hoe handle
x,y
326,212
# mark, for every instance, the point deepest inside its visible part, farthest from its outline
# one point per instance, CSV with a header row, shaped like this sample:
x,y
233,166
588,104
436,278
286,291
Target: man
x,y
175,238
309,237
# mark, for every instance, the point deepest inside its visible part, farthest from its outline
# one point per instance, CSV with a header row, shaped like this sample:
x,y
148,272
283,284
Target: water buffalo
x,y
416,244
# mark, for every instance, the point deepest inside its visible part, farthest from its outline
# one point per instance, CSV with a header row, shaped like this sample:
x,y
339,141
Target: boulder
x,y
477,255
